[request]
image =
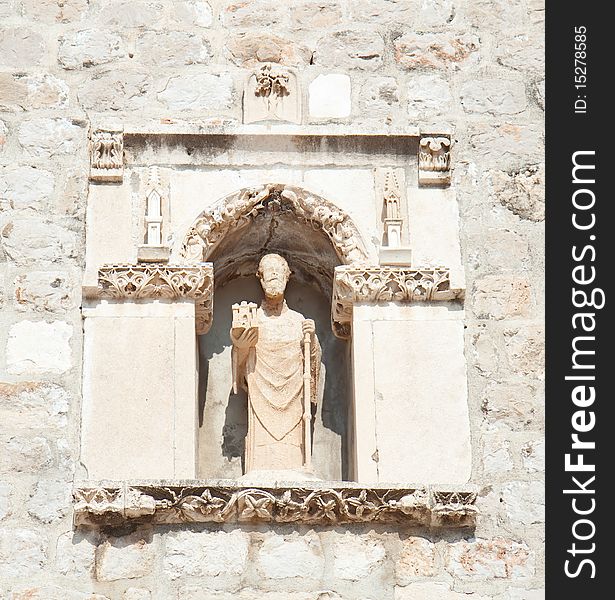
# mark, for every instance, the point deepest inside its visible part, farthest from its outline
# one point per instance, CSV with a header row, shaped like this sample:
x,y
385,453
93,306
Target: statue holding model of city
x,y
276,357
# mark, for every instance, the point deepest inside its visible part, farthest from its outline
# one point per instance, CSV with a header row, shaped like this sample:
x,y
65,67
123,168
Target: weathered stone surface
x,y
514,406
193,12
46,138
355,558
539,92
126,557
25,187
436,13
4,132
22,553
21,48
522,191
5,499
137,594
526,350
115,90
318,14
25,455
90,47
55,11
218,554
383,12
417,560
428,95
248,49
433,590
205,92
380,97
75,553
281,557
50,501
523,53
435,50
46,291
489,559
497,458
533,456
494,96
518,594
329,97
127,14
253,13
36,347
24,92
501,297
172,49
351,49
53,592
524,502
197,592
493,15
500,250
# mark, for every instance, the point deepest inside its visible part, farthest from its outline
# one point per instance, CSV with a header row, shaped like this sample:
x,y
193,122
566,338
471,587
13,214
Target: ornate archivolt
x,y
240,209
166,504
386,284
159,281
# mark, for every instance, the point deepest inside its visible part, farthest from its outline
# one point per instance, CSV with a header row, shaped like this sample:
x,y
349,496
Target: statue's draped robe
x,y
273,374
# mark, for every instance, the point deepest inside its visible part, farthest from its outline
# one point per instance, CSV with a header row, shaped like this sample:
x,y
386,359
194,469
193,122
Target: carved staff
x,y
307,399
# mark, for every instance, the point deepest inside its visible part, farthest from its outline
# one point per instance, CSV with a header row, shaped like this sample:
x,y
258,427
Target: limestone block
x,y
525,348
197,592
53,592
75,553
524,502
52,11
46,291
90,47
355,558
22,553
32,405
212,554
203,92
494,15
137,594
25,188
282,557
380,97
498,250
428,96
193,12
417,560
539,91
249,48
533,456
501,297
37,347
522,192
322,14
432,590
329,97
514,406
127,14
50,501
41,90
5,499
252,13
497,458
172,49
48,138
435,50
4,132
497,558
25,455
382,12
434,13
116,90
353,49
494,96
522,52
518,594
21,48
126,557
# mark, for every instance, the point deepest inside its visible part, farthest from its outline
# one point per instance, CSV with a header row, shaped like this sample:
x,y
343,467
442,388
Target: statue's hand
x,y
245,338
308,326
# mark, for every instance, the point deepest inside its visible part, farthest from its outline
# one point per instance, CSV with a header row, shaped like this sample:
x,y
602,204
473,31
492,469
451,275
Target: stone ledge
x,y
224,501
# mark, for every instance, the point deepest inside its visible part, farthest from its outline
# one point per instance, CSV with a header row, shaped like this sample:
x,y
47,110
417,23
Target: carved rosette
x,y
435,160
168,504
107,156
239,210
386,284
161,281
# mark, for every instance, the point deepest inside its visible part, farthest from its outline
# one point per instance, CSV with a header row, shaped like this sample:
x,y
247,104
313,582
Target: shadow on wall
x,y
223,415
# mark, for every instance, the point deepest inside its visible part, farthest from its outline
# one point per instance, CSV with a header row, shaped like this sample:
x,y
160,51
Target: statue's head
x,y
274,274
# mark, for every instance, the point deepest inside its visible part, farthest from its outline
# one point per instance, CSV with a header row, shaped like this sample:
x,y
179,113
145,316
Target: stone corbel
x,y
161,281
381,284
435,159
107,155
227,502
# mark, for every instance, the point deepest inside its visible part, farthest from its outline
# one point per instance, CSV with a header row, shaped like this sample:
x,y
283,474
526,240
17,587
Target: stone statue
x,y
276,357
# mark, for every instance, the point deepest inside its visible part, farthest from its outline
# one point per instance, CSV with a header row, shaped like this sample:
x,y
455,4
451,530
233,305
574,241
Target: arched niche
x,y
314,236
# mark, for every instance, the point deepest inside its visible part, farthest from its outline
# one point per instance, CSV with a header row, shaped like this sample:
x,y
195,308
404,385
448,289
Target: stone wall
x,y
474,65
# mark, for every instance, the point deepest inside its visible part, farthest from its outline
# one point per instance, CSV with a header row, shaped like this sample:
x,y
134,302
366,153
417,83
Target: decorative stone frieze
x,y
161,281
435,160
107,156
387,284
272,93
240,209
226,502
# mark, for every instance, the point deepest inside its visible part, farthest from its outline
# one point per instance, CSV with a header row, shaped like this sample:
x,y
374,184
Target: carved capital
x,y
310,503
435,160
387,284
106,156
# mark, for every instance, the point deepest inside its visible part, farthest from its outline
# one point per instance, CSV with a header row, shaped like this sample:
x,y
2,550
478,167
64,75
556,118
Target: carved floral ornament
x,y
435,160
239,210
168,504
107,156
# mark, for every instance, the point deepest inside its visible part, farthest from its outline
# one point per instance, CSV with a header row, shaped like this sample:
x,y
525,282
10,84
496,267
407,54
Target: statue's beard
x,y
274,289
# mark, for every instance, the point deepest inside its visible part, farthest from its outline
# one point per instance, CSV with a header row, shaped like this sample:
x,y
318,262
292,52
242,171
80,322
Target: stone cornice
x,y
306,502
